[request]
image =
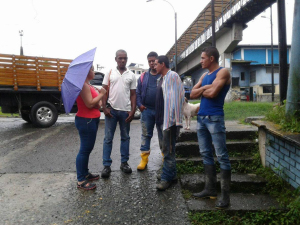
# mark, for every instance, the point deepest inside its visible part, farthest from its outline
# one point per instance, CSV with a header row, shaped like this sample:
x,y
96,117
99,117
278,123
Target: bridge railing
x,y
228,10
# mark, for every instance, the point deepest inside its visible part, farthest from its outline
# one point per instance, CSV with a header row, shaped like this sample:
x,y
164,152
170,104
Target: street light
x,y
21,35
175,32
272,55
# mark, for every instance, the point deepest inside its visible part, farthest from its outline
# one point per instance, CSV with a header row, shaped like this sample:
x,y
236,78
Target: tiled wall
x,y
283,156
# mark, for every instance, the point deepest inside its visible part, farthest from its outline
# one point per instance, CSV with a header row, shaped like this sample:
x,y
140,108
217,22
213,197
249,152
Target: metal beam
x,y
283,67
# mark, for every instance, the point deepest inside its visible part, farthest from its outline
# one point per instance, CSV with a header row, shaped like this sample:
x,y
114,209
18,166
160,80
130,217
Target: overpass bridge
x,y
231,17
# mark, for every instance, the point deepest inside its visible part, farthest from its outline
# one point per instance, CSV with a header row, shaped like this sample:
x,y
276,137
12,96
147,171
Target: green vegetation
x,y
188,167
242,110
276,187
7,114
277,115
288,198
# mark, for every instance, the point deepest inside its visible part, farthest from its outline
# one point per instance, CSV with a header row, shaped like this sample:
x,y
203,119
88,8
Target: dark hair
x,y
120,51
212,51
163,59
152,54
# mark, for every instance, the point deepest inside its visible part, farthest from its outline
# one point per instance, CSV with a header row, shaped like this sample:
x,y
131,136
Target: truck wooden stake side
x,y
31,86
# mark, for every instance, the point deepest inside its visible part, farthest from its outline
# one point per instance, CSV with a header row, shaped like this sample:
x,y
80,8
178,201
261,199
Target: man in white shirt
x,y
118,106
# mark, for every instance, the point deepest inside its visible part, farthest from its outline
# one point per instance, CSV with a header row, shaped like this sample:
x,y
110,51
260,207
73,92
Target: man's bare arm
x,y
222,79
197,89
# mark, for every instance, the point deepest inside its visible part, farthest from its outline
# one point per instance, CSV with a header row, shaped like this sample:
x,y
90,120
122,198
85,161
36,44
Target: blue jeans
x,y
211,129
148,123
110,128
87,129
169,141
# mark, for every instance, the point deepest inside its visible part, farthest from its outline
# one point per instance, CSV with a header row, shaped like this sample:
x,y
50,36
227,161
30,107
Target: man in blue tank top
x,y
212,88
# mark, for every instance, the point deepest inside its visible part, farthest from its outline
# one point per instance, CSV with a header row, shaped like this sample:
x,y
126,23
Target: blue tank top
x,y
213,106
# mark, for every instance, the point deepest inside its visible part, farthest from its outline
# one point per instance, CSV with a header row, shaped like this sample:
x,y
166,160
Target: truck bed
x,y
29,73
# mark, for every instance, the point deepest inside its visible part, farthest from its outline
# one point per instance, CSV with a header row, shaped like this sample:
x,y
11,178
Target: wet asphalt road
x,y
38,180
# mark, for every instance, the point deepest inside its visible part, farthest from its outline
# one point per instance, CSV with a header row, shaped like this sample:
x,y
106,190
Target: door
x,y
251,94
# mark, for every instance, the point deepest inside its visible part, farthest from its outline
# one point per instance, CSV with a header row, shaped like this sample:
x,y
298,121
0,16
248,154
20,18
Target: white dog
x,y
189,110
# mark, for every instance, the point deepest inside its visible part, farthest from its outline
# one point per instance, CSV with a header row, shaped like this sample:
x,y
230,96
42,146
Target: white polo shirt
x,y
120,86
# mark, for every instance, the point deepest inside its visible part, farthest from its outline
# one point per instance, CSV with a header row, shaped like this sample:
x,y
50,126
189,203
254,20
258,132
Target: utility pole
x,y
283,67
213,24
21,35
293,93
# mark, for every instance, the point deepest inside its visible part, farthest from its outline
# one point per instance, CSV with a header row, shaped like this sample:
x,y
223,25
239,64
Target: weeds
x,y
277,115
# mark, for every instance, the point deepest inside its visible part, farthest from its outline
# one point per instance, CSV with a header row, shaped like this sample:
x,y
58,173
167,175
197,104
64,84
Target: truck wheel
x,y
26,117
43,114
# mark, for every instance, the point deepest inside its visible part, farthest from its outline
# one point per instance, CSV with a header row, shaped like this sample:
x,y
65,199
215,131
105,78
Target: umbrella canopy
x,y
75,78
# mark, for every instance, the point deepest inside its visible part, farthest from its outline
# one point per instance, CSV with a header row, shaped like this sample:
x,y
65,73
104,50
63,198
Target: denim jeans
x,y
87,129
110,128
211,129
169,141
148,123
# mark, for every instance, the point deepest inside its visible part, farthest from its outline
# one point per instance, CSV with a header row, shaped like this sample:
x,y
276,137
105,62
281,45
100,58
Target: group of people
x,y
159,94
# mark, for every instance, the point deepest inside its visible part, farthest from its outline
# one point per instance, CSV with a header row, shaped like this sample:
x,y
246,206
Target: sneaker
x,y
86,185
91,177
163,185
175,179
106,172
125,168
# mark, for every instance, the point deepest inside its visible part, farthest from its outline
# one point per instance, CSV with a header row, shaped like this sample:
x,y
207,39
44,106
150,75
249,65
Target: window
x,y
267,89
242,76
252,76
235,81
138,72
269,69
133,71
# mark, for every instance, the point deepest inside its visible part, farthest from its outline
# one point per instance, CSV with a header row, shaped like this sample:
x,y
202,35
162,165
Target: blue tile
x,y
284,151
271,149
298,180
294,184
284,164
270,137
290,174
275,146
298,166
289,147
290,161
280,155
273,156
269,160
295,171
295,157
280,142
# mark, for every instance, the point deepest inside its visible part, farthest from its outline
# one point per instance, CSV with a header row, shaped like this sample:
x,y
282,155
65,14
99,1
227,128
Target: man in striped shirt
x,y
173,98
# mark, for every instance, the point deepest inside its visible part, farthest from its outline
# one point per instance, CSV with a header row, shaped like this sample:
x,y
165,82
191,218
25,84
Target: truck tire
x,y
43,114
26,117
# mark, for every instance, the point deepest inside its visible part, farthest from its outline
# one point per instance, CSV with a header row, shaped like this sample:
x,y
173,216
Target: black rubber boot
x,y
224,201
210,190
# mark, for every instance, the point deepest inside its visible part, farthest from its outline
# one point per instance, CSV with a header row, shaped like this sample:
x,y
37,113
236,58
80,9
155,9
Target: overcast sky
x,y
67,28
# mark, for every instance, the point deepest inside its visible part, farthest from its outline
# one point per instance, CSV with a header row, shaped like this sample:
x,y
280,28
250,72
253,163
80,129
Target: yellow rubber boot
x,y
144,161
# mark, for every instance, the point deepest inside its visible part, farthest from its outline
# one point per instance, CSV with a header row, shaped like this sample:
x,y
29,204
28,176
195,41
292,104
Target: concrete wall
x,y
256,55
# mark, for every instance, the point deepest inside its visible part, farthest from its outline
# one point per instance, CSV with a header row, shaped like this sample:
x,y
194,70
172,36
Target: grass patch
x,y
188,167
277,115
8,114
241,110
263,217
288,198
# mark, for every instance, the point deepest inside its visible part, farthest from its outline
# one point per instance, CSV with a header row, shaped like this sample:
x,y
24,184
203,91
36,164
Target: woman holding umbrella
x,y
87,121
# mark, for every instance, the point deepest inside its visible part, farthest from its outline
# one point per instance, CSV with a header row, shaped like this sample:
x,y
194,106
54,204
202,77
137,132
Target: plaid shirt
x,y
173,92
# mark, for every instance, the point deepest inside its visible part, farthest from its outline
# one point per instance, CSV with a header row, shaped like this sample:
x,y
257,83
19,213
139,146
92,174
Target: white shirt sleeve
x,y
105,79
133,83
